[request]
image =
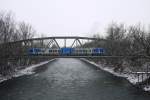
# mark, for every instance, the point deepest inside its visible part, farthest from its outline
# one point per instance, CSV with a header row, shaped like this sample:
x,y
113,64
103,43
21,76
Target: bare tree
x,y
12,31
7,27
139,40
115,38
26,31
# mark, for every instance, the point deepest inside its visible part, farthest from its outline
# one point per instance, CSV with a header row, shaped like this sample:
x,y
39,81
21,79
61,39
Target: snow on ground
x,y
130,77
3,78
27,71
147,88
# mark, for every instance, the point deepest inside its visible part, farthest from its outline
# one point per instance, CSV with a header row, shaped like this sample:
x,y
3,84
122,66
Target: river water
x,y
70,79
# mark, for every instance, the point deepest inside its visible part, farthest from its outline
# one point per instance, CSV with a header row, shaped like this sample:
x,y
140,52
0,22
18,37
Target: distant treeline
x,y
122,40
125,41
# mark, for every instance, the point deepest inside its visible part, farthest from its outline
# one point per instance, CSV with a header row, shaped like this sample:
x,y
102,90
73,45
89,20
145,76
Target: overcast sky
x,y
77,17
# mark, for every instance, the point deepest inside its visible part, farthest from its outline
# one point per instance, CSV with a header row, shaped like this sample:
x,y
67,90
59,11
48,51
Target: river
x,y
70,79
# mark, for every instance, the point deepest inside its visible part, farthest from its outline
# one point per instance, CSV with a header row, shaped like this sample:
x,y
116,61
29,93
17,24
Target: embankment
x,y
26,71
133,79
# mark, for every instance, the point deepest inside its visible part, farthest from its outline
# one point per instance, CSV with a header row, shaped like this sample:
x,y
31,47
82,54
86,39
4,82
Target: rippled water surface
x,y
69,79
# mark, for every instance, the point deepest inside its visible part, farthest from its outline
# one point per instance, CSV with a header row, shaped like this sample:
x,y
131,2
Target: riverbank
x,y
26,71
133,79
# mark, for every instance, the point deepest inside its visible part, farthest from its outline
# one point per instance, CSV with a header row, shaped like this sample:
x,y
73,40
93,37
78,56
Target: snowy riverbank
x,y
130,77
27,71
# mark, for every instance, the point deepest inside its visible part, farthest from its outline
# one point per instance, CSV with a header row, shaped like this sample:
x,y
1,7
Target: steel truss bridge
x,y
53,40
18,49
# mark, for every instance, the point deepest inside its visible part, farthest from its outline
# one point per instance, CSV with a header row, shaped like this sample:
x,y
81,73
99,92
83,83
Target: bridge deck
x,y
86,56
140,72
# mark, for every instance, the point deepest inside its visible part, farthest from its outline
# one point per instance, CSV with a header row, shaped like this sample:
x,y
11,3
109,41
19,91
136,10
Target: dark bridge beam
x,y
57,43
79,42
76,41
73,43
59,37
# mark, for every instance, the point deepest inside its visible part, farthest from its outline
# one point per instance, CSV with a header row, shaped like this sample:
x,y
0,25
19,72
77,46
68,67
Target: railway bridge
x,y
19,49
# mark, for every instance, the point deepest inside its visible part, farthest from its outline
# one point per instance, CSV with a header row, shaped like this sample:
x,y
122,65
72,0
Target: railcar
x,y
66,51
54,52
98,51
34,51
82,51
88,51
46,51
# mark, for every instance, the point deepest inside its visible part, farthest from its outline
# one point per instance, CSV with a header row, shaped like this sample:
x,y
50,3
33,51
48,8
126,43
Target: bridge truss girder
x,y
20,47
52,40
77,41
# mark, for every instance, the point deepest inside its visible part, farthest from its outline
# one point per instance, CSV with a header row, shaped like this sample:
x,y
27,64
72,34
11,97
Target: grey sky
x,y
77,17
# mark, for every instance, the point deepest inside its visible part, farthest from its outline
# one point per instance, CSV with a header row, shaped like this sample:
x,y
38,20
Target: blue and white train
x,y
67,51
